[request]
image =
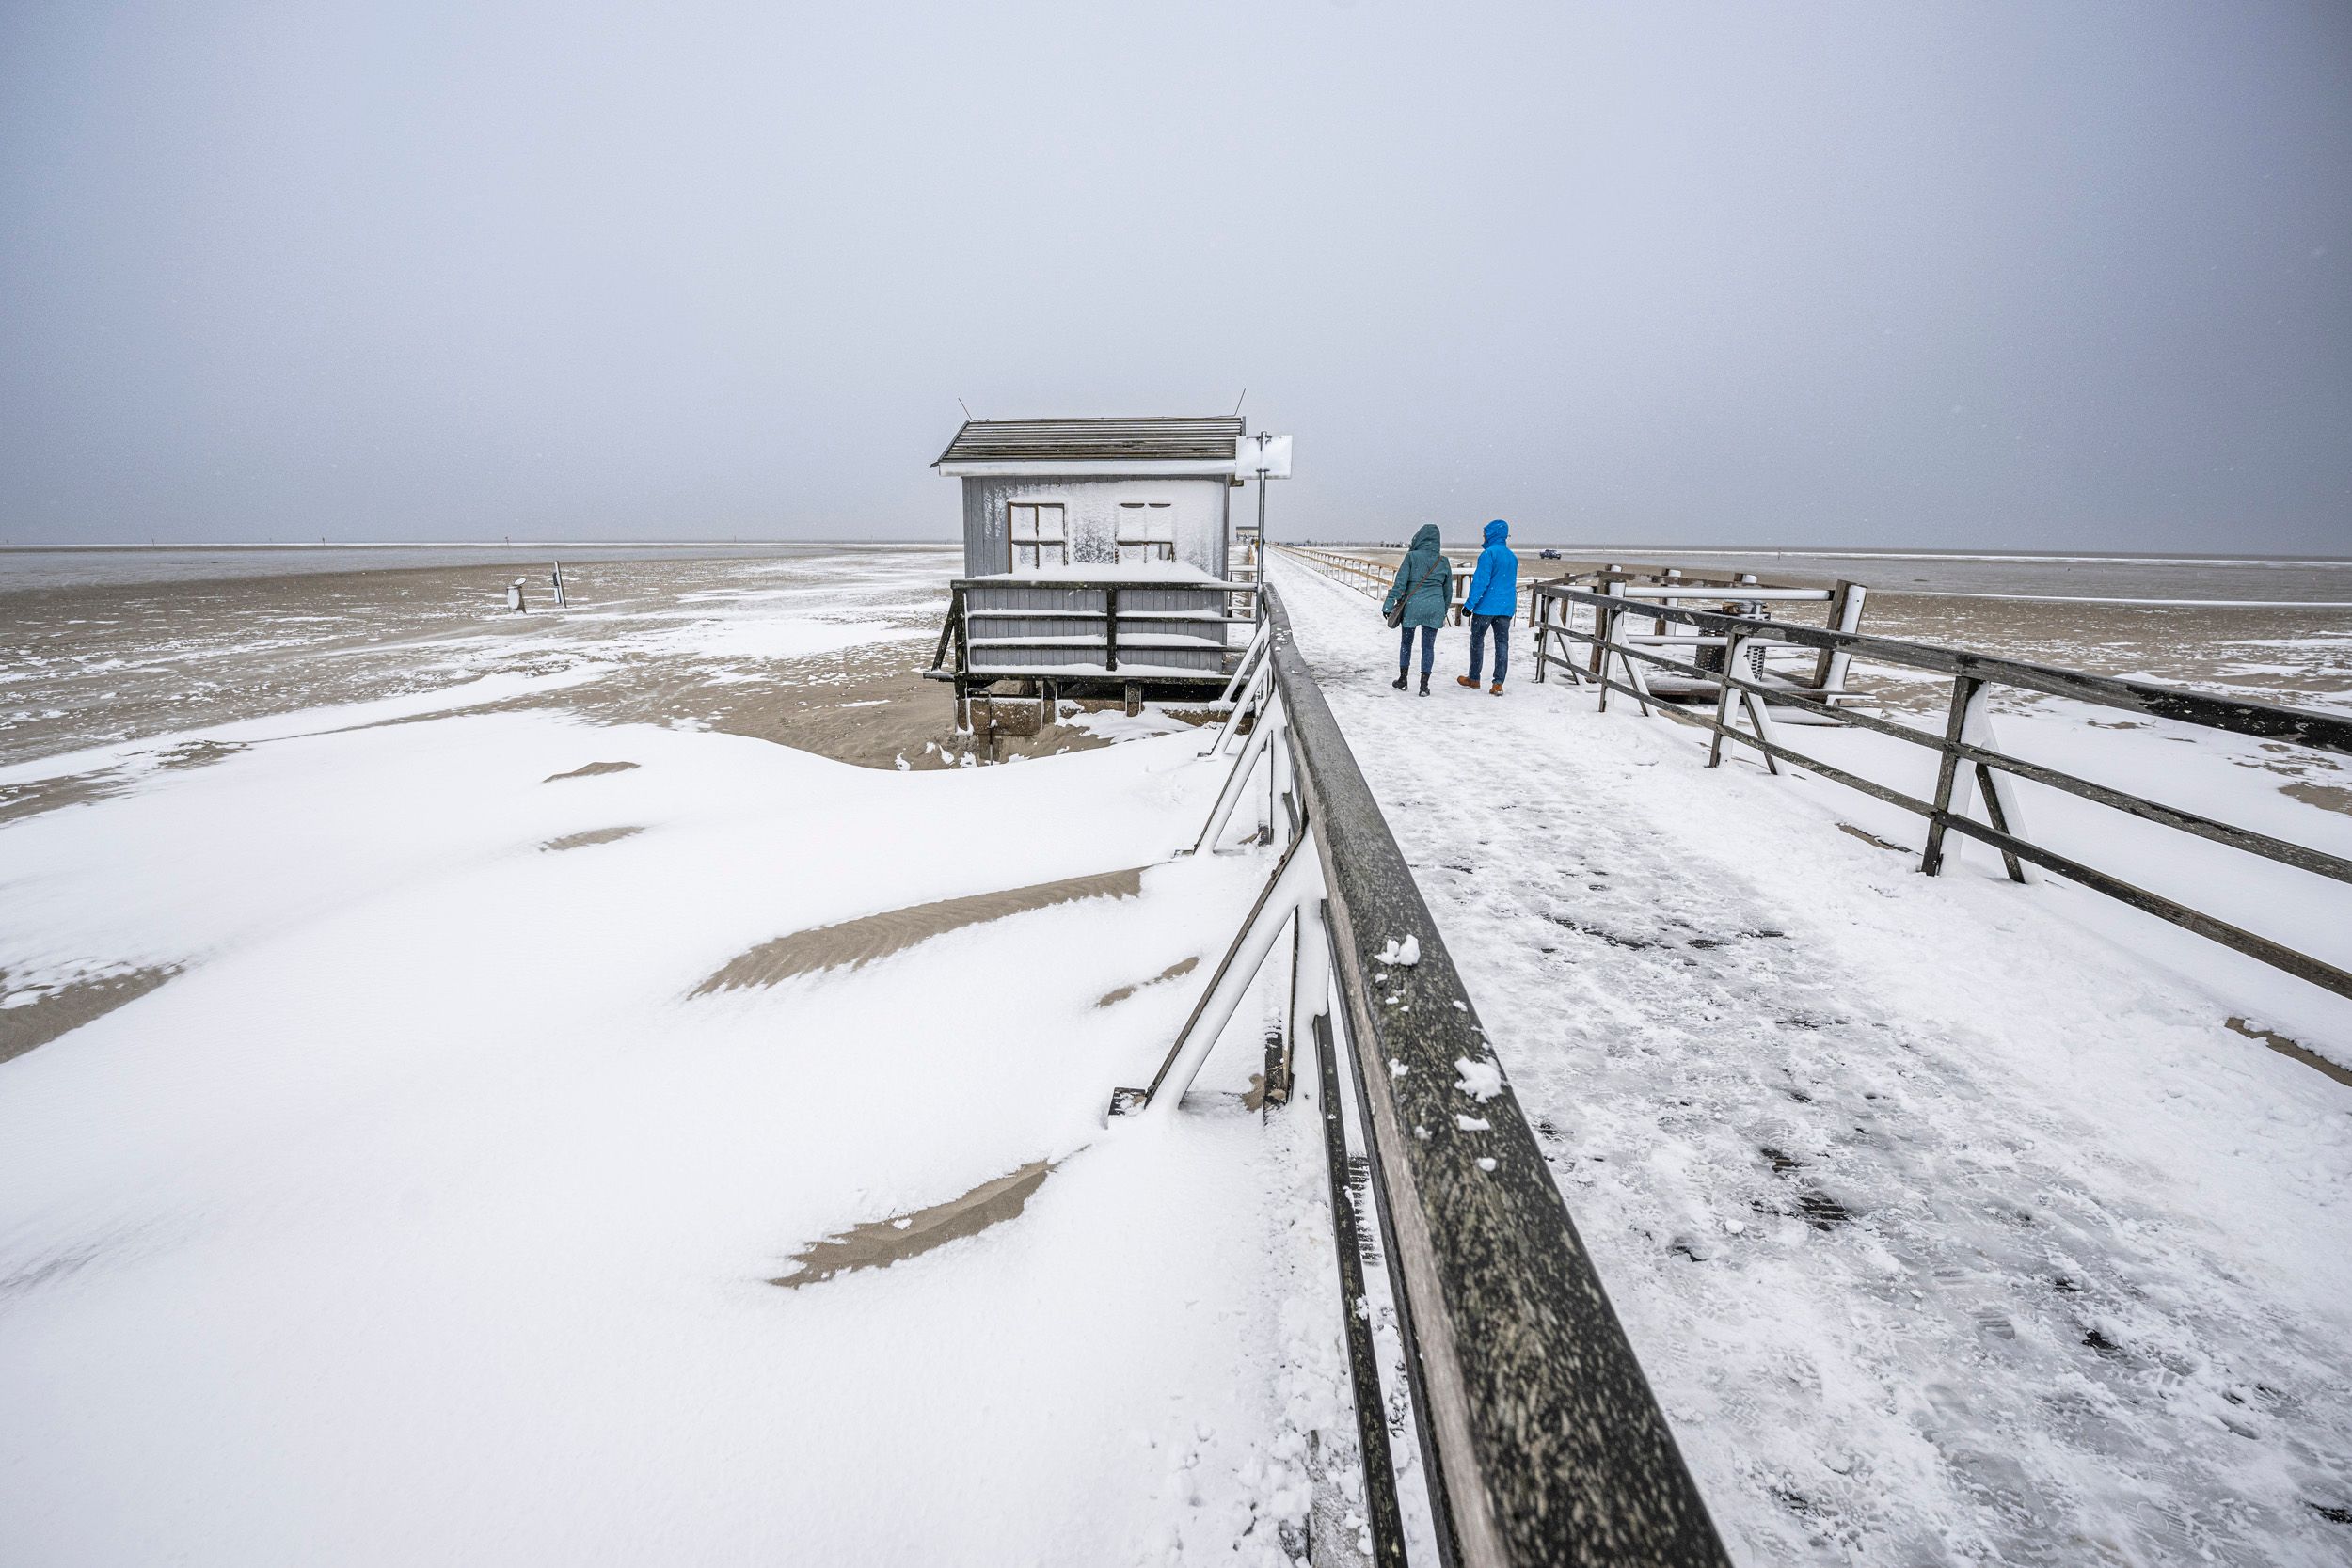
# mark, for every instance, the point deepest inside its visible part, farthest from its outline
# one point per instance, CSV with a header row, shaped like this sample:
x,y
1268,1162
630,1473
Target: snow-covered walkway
x,y
1947,1229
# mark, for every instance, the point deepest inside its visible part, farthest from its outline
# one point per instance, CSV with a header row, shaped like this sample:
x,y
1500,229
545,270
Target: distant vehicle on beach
x,y
1548,555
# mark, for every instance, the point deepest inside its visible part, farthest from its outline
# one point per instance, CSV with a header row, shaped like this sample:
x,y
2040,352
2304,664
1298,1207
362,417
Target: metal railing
x,y
1541,1440
1370,576
1966,748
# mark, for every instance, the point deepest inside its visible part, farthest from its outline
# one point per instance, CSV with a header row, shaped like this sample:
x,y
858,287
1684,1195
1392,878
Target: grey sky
x,y
2071,274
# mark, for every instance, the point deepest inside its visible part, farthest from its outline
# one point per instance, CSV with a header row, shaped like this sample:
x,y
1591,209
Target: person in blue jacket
x,y
1492,600
1424,583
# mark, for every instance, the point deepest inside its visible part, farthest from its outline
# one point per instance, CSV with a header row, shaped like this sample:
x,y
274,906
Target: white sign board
x,y
1269,456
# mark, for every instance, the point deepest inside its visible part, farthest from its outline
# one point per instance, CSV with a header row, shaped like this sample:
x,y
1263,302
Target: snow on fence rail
x,y
1540,1438
1965,743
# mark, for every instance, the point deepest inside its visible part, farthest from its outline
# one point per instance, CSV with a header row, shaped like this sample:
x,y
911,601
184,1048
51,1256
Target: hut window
x,y
1147,531
1039,538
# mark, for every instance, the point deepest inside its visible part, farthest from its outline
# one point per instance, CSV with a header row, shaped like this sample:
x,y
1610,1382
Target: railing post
x,y
1845,615
1970,723
1724,700
1964,690
1605,625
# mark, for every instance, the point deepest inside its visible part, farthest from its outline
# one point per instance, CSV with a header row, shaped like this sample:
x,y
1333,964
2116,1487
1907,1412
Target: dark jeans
x,y
1500,627
1428,649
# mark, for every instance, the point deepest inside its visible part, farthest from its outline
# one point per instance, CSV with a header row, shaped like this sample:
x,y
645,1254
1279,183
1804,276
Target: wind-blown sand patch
x,y
2286,1047
878,1243
2326,797
197,754
36,796
66,1007
1176,971
591,770
594,836
854,943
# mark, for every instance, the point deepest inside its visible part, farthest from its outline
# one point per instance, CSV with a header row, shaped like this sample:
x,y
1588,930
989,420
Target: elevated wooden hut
x,y
1099,559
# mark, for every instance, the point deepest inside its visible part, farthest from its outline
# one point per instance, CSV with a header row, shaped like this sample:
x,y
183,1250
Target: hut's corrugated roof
x,y
1154,439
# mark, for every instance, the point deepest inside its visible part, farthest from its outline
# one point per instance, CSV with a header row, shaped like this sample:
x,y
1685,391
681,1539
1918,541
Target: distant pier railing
x,y
1570,620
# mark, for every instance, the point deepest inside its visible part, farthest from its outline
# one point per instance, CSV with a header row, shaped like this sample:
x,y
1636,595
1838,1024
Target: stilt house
x,y
1100,558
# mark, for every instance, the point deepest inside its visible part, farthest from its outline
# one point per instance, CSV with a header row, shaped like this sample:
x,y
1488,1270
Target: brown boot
x,y
1465,680
1496,688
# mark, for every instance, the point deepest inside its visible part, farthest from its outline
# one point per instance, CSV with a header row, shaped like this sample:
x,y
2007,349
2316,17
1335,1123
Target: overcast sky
x,y
2061,275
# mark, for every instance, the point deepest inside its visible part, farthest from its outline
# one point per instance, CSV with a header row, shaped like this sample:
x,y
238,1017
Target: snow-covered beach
x,y
430,1204
446,1161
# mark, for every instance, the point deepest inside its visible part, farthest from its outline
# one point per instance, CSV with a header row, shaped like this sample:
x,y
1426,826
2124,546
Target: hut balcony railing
x,y
1099,613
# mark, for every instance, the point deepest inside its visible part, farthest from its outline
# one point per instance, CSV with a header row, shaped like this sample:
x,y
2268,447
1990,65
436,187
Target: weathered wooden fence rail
x,y
1542,1441
1965,746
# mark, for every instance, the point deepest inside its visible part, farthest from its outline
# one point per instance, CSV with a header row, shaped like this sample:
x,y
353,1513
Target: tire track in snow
x,y
1900,1306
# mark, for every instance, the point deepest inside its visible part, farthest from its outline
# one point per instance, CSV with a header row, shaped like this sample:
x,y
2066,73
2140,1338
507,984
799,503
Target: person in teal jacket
x,y
1424,583
1492,600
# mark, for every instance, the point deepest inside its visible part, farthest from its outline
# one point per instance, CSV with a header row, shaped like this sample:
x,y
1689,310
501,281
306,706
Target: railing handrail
x,y
1379,577
2240,716
1550,1445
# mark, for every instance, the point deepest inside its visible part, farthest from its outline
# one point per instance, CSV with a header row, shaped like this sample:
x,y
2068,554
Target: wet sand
x,y
815,647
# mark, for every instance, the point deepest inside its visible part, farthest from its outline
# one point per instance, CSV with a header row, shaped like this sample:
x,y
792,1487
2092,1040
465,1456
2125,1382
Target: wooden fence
x,y
1964,746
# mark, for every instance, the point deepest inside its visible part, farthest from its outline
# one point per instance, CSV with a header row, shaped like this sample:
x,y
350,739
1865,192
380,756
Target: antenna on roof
x,y
1239,400
968,415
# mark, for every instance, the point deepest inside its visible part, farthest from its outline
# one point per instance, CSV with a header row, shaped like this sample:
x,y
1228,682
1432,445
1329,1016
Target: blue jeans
x,y
1500,627
1428,649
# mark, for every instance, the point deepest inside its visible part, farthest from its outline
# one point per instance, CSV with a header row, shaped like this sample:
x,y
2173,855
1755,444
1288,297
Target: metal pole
x,y
1260,603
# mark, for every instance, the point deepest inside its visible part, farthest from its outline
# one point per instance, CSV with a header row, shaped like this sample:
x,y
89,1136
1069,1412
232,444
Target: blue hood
x,y
1494,588
1426,538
